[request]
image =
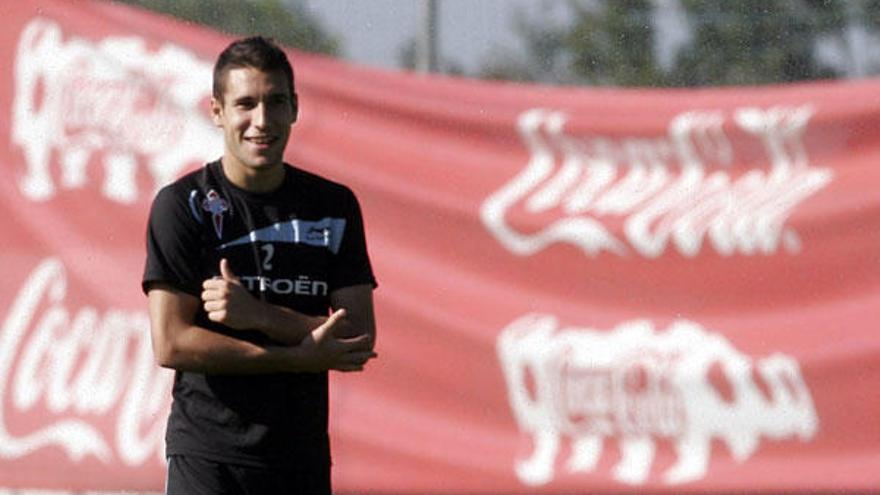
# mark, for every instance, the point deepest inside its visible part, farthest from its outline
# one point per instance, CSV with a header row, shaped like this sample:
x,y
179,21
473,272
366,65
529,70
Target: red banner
x,y
581,290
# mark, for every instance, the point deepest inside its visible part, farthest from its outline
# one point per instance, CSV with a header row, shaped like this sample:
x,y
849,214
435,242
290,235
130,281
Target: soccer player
x,y
246,259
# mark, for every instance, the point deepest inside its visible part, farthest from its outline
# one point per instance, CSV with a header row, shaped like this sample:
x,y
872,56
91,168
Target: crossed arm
x,y
343,341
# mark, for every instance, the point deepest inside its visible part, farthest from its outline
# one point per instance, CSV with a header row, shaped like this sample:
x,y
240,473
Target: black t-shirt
x,y
290,247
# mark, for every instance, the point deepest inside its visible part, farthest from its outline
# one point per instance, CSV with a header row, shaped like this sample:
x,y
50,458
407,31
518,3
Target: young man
x,y
245,259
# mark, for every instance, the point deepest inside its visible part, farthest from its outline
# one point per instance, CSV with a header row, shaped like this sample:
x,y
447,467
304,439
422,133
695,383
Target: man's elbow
x,y
165,353
165,356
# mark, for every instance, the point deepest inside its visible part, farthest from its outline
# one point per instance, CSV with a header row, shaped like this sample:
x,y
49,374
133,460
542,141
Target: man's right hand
x,y
328,347
225,300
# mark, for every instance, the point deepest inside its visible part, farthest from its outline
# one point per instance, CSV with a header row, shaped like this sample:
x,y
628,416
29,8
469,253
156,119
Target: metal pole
x,y
426,43
856,36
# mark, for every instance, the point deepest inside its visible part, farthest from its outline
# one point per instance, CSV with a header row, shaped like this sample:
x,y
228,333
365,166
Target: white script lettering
x,y
86,369
674,191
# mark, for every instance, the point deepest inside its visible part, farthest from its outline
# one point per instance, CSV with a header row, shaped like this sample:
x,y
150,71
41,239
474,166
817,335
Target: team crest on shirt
x,y
217,206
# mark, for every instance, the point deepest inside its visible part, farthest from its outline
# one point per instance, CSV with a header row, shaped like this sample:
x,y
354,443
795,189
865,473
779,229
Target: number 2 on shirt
x,y
269,251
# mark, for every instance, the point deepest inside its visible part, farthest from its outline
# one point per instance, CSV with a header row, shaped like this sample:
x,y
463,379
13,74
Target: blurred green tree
x,y
756,41
289,23
613,45
615,42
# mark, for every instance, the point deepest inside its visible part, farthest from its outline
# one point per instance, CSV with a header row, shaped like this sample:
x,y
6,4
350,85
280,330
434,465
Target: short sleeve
x,y
351,265
174,244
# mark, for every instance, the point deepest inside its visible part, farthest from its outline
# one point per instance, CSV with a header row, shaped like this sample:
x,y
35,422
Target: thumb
x,y
226,271
329,325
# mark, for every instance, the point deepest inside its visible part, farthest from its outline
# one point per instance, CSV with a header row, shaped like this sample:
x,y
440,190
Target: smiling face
x,y
255,113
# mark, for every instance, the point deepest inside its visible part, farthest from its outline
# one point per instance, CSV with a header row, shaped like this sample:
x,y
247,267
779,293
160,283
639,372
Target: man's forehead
x,y
246,80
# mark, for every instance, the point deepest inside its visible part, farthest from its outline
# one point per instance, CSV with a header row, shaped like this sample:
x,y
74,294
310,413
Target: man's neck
x,y
265,179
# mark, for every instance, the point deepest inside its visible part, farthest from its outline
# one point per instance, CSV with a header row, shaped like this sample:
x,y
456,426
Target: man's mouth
x,y
261,140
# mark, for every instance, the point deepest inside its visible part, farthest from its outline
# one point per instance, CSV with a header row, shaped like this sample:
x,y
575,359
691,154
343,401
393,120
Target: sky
x,y
469,31
373,32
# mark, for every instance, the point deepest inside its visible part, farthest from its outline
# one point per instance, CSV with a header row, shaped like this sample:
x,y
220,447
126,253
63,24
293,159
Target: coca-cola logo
x,y
85,379
647,195
114,102
636,386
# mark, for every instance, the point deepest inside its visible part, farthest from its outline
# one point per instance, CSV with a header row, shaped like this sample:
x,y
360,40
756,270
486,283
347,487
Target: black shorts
x,y
188,475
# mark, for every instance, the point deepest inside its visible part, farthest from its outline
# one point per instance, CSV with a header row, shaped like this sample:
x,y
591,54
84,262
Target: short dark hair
x,y
257,52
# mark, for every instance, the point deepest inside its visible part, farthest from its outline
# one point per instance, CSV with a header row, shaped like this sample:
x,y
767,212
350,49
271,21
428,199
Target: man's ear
x,y
294,102
217,112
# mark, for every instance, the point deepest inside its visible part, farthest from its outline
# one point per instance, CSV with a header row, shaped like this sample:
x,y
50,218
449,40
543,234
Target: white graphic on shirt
x,y
685,385
326,232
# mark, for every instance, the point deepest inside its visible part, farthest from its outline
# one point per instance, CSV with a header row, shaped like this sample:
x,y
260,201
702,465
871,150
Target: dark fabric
x,y
196,476
291,247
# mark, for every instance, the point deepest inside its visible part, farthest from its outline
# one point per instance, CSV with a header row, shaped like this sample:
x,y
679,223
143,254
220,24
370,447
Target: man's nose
x,y
258,118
